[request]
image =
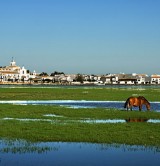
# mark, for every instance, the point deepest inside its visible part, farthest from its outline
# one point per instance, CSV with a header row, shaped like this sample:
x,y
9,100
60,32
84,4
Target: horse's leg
x,y
147,108
127,107
140,107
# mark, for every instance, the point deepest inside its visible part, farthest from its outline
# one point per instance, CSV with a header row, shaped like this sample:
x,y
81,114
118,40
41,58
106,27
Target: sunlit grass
x,y
75,131
112,94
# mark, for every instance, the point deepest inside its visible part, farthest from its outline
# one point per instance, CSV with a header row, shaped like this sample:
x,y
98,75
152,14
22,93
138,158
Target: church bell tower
x,y
12,63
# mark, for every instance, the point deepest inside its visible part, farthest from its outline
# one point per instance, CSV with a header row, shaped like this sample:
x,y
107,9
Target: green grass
x,y
38,111
132,134
67,127
77,94
74,131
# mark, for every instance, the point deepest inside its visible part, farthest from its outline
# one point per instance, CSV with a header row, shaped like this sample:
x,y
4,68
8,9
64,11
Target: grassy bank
x,y
66,127
77,93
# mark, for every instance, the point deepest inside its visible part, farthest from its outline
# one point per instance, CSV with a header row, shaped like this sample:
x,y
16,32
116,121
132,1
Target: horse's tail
x,y
127,101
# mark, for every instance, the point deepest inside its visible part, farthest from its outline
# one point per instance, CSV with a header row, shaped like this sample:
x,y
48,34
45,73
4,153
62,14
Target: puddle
x,y
53,115
153,121
121,121
104,121
24,153
27,119
97,121
77,106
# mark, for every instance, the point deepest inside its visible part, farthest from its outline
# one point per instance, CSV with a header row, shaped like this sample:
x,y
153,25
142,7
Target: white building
x,y
14,73
155,79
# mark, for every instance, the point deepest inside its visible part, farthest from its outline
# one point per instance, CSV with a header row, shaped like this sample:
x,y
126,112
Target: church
x,y
14,73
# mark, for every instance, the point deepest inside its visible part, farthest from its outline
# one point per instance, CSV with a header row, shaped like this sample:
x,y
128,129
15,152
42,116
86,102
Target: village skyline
x,y
14,74
12,59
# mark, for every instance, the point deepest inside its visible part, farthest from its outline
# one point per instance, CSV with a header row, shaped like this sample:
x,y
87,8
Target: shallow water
x,y
19,152
90,121
139,87
82,104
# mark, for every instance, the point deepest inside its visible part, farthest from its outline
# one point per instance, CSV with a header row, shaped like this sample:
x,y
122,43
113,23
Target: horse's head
x,y
145,101
148,106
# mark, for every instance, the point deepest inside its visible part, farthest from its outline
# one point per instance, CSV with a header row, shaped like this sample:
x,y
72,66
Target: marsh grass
x,y
22,146
126,133
123,133
133,133
113,94
38,111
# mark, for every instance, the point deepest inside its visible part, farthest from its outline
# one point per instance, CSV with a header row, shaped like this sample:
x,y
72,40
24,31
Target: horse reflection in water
x,y
136,120
136,102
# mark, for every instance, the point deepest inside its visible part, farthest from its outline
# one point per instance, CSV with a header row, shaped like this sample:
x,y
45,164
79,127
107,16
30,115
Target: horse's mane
x,y
143,98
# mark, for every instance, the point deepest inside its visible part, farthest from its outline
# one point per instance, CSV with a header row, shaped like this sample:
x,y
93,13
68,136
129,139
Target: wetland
x,y
60,130
20,152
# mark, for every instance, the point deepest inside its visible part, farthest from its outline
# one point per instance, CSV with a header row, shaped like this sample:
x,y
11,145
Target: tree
x,y
56,73
43,74
28,71
79,78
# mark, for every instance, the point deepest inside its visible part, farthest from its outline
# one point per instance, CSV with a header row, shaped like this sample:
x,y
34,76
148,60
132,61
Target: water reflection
x,y
21,146
71,154
137,120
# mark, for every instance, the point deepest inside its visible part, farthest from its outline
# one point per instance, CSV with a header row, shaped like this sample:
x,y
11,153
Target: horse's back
x,y
134,101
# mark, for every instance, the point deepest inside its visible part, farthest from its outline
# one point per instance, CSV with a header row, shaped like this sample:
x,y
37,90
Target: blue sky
x,y
81,36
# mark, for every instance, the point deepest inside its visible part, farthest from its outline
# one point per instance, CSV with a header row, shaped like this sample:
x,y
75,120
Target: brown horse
x,y
136,102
